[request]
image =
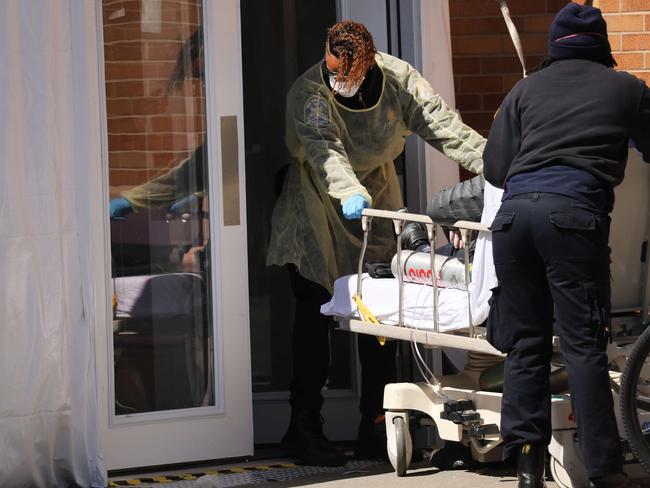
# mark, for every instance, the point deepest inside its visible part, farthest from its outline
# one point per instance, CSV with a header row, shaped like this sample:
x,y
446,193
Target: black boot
x,y
530,467
371,439
615,480
305,440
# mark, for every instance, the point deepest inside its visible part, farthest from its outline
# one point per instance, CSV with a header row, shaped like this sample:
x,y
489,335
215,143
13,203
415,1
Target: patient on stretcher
x,y
462,201
470,200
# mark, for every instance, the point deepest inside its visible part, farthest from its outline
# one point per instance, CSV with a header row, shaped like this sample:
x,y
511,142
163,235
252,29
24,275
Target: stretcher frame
x,y
473,340
431,398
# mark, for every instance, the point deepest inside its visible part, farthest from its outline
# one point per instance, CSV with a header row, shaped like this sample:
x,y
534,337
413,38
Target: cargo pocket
x,y
498,333
581,235
599,316
573,220
503,247
502,221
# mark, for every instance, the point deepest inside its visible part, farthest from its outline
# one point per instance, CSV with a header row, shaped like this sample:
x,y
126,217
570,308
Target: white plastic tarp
x,y
48,142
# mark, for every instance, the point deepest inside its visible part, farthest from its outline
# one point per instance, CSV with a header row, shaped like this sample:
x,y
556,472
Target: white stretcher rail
x,y
474,340
453,340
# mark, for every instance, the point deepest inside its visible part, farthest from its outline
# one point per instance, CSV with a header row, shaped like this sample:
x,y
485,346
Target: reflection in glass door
x,y
159,234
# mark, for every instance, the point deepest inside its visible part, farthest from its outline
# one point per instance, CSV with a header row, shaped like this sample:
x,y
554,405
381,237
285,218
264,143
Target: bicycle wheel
x,y
635,399
559,473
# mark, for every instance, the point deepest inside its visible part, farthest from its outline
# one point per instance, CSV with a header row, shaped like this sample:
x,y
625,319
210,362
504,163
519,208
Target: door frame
x,y
203,433
386,21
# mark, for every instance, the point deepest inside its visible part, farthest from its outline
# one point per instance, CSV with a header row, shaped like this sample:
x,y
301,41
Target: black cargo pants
x,y
552,259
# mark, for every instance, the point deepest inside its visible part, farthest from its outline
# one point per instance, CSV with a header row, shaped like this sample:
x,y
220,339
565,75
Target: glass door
x,y
177,376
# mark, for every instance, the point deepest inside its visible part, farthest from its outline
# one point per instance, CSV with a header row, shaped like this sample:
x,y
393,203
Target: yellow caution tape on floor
x,y
193,476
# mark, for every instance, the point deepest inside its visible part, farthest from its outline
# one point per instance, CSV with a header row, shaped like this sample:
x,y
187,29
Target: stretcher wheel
x,y
559,474
635,399
400,443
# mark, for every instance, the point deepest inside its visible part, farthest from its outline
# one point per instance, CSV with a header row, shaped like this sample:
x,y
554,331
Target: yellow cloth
x,y
340,152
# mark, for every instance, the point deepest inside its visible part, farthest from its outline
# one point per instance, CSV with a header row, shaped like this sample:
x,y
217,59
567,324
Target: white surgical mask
x,y
343,90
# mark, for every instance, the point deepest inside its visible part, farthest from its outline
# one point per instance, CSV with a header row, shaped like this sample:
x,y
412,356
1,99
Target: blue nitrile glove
x,y
119,207
354,205
184,205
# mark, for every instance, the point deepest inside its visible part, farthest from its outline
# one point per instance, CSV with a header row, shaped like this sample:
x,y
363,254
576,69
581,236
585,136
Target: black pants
x,y
551,257
311,353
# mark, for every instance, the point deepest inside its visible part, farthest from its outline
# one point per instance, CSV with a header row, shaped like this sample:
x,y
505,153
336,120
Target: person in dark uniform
x,y
558,146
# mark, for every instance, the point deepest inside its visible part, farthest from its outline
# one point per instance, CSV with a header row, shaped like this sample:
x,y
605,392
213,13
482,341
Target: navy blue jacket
x,y
575,113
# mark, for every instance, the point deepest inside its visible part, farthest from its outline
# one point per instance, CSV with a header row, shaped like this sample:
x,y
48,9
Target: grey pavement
x,y
356,475
278,472
419,476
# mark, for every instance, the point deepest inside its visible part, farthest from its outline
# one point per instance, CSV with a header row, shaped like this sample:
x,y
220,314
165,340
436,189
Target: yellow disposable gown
x,y
185,179
339,152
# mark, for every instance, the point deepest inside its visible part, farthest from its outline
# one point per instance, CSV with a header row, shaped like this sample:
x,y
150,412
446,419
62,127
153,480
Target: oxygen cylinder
x,y
416,268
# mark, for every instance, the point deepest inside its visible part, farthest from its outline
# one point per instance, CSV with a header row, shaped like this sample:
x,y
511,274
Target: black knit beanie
x,y
580,31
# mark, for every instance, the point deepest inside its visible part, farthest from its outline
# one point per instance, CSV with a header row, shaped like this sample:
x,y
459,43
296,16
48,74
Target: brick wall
x,y
628,24
485,62
147,130
484,58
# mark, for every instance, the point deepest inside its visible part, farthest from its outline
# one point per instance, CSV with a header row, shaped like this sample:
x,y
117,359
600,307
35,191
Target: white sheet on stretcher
x,y
159,295
381,296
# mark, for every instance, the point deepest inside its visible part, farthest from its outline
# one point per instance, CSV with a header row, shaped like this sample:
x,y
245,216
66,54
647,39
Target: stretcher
x,y
435,317
159,332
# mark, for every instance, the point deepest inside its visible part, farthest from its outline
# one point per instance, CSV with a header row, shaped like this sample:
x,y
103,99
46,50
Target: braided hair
x,y
352,44
190,53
